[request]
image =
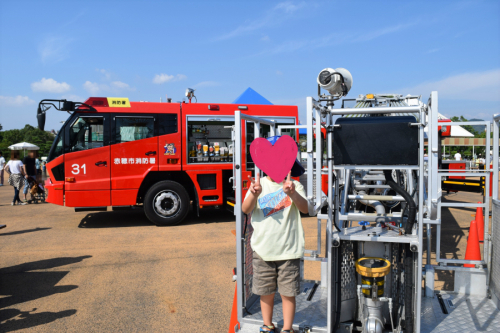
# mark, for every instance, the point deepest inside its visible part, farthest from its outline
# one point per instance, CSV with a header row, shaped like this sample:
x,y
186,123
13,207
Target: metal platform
x,y
389,236
465,314
307,313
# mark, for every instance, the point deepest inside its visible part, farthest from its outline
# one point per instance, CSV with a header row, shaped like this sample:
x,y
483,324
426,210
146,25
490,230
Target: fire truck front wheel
x,y
166,203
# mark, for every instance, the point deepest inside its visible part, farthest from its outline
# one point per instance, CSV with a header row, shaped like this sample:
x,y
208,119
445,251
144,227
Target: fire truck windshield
x,y
57,147
86,133
79,132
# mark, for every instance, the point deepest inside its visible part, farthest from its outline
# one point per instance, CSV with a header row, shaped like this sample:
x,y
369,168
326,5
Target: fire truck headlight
x,y
337,81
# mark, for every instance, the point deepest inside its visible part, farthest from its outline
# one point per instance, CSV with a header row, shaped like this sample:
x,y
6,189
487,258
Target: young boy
x,y
277,242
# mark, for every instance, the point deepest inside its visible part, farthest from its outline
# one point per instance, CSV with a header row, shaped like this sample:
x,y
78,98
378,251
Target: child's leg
x,y
264,284
266,305
288,311
288,287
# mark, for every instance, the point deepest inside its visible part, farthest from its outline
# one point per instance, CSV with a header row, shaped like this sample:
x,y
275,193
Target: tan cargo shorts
x,y
285,274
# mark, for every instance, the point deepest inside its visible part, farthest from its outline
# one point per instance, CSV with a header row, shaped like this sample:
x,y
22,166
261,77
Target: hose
x,y
412,207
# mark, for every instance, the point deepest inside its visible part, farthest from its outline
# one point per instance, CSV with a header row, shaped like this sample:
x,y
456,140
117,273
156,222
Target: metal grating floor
x,y
307,313
465,314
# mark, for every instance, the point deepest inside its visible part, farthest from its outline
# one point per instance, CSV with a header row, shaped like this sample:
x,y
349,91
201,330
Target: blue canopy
x,y
250,96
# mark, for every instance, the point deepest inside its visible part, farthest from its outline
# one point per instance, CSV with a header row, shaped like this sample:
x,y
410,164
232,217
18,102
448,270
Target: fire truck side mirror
x,y
40,116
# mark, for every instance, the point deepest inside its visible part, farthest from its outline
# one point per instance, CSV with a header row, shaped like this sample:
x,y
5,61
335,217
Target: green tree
x,y
28,134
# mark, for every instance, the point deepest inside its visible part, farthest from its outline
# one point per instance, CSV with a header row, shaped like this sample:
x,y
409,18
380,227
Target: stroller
x,y
37,191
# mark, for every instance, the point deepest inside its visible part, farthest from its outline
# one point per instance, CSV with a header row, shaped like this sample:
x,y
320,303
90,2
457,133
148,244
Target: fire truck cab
x,y
165,156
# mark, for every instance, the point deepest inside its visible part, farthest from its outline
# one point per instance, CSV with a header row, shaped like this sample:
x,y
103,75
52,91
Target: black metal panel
x,y
58,172
375,141
207,182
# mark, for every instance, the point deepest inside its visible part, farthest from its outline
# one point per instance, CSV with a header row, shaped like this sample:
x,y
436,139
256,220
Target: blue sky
x,y
146,50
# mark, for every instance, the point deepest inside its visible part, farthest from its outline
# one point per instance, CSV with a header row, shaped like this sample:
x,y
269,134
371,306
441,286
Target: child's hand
x,y
255,187
288,185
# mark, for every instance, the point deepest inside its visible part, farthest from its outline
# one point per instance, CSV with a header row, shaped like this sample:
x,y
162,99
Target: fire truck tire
x,y
166,203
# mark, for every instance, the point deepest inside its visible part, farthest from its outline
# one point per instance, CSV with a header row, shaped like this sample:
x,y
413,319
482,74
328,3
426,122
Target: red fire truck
x,y
165,156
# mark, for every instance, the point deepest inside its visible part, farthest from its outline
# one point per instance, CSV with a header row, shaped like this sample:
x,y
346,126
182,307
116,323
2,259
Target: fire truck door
x,y
86,162
134,153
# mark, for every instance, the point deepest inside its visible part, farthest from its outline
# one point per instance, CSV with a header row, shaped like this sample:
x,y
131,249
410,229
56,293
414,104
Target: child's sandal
x,y
268,329
288,331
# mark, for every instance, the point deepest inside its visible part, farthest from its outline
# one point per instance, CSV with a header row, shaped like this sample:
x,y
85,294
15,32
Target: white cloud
x,y
289,6
54,49
265,38
206,84
432,51
73,98
94,88
477,86
105,73
121,85
162,78
336,38
279,73
381,32
50,85
16,100
276,15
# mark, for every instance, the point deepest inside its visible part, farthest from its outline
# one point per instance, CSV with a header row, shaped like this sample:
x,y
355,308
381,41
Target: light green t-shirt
x,y
278,232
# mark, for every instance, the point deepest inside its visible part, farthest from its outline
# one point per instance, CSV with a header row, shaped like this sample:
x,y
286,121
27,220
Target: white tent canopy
x,y
24,146
456,131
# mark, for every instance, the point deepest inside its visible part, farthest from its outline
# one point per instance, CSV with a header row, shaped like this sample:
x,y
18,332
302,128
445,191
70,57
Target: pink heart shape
x,y
275,160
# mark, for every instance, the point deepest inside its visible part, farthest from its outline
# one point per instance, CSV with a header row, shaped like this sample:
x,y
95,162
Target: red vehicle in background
x,y
165,156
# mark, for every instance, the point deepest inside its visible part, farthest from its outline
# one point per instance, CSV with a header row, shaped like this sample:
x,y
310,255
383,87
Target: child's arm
x,y
250,201
298,200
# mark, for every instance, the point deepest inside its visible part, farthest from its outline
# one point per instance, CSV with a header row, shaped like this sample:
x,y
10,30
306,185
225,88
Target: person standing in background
x,y
29,171
15,170
2,164
458,156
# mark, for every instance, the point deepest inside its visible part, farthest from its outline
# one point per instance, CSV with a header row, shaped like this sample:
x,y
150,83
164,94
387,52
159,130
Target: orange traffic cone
x,y
480,223
234,313
473,252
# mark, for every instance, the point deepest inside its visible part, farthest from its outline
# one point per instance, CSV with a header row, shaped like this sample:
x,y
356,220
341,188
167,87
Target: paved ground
x,y
63,271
